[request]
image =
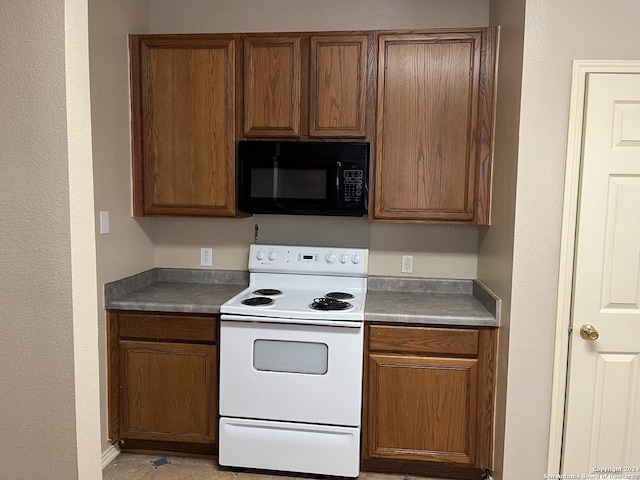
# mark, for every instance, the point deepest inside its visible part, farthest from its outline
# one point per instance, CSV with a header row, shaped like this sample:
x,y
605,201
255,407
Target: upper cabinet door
x,y
272,84
183,92
338,86
434,130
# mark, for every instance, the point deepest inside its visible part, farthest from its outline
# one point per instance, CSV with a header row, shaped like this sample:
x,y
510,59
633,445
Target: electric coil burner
x,y
257,301
328,303
291,373
269,292
339,295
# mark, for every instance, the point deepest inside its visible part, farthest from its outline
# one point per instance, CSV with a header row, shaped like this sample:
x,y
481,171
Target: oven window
x,y
291,357
289,183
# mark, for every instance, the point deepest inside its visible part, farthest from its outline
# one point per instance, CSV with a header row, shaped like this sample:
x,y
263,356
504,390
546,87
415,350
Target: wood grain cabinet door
x,y
272,86
168,392
338,86
422,408
186,112
428,404
431,101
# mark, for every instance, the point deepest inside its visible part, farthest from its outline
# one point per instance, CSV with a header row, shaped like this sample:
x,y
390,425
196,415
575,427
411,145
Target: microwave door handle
x,y
275,180
337,179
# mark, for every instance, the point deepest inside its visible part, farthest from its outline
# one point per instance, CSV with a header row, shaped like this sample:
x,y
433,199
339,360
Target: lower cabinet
x,y
429,400
428,392
163,385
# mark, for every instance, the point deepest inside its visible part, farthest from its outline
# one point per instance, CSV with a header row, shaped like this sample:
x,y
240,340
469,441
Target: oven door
x,y
291,372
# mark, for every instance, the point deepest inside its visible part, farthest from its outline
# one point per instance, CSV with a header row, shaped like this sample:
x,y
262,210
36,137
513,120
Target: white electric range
x,y
291,353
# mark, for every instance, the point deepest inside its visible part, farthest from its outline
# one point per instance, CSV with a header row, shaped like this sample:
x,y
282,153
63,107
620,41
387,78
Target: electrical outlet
x,y
206,257
407,263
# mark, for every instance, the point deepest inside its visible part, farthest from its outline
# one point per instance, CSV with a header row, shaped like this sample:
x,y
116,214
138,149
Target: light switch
x,y
104,223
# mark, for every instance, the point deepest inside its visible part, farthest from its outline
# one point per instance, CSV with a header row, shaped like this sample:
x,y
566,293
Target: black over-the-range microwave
x,y
304,178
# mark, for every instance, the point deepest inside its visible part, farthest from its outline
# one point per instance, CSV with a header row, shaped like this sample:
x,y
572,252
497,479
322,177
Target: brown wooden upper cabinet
x,y
339,86
434,126
184,113
431,130
299,86
272,83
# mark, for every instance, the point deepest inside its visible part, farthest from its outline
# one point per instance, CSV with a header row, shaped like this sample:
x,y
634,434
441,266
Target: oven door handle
x,y
294,321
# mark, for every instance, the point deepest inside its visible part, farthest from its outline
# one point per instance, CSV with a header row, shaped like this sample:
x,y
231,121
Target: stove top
x,y
303,283
304,302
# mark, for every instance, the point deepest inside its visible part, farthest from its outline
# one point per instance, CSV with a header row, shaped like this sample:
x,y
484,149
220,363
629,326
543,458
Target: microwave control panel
x,y
353,186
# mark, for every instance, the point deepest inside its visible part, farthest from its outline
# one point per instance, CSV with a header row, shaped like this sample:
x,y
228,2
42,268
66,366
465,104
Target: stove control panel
x,y
311,260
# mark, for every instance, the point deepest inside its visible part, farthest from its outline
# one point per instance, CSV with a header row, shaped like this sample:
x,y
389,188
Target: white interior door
x,y
602,422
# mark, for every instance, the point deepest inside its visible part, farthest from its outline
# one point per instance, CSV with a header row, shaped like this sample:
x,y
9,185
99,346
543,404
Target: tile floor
x,y
129,466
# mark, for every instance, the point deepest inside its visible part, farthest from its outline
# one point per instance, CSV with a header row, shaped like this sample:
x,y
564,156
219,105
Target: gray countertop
x,y
436,308
432,301
177,297
389,299
175,290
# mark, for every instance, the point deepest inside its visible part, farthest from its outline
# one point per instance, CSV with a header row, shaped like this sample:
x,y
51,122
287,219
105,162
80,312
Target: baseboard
x,y
420,468
109,454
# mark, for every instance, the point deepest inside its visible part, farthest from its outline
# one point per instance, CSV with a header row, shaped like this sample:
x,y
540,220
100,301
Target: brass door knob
x,y
588,332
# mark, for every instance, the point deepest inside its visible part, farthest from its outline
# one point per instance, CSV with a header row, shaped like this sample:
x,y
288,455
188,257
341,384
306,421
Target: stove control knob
x,y
260,254
330,258
344,258
355,259
272,255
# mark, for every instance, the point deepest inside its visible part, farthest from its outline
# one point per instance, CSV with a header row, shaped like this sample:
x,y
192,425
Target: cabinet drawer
x,y
167,327
425,340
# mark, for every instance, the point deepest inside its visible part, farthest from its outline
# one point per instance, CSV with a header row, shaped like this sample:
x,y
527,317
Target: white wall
x,y
555,34
49,426
495,252
83,249
128,248
196,16
439,251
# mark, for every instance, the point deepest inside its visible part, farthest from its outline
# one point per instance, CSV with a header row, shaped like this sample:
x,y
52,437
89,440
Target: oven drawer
x,y
293,447
291,372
